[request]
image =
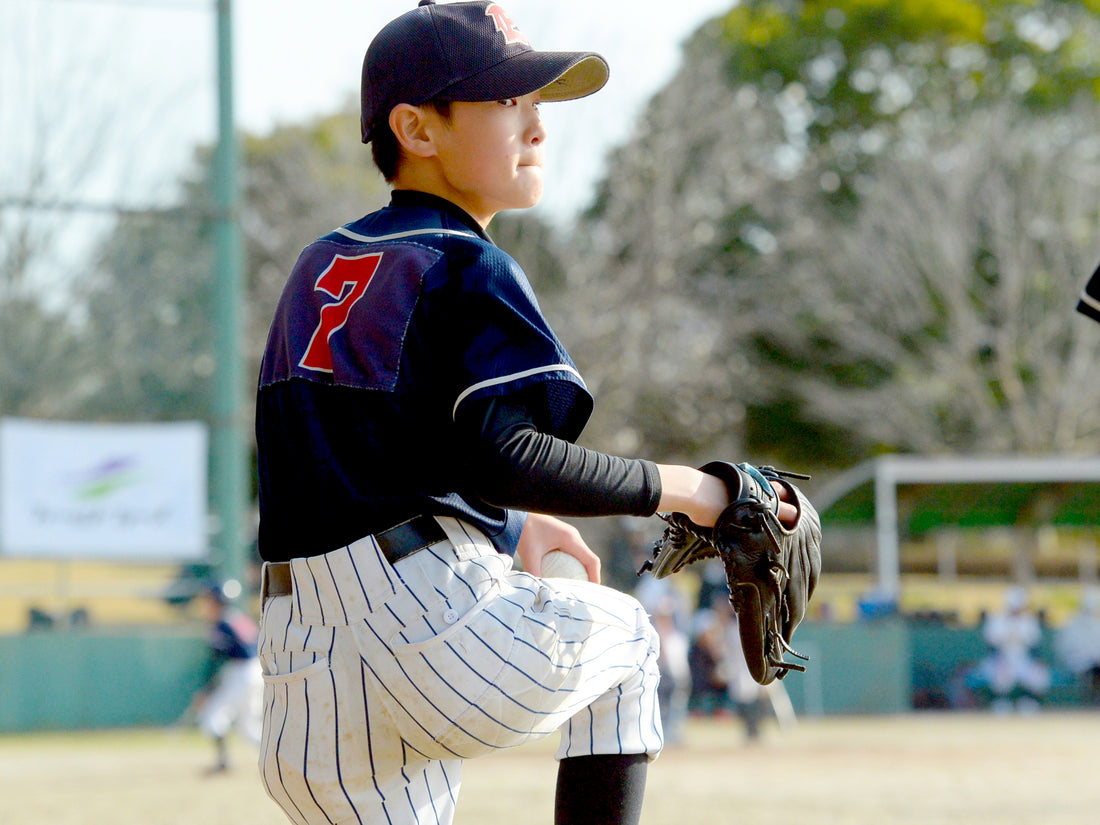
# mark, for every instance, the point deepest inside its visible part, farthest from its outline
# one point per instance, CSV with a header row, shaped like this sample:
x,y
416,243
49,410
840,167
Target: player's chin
x,y
529,184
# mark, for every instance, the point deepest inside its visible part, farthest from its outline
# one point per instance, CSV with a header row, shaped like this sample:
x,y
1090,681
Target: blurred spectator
x,y
877,603
1077,644
39,619
721,682
709,684
629,546
667,610
714,592
1013,675
749,699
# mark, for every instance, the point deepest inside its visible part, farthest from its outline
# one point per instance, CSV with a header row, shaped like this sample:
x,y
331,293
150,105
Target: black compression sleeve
x,y
516,466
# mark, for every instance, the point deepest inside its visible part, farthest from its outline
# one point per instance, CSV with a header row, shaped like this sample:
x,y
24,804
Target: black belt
x,y
396,543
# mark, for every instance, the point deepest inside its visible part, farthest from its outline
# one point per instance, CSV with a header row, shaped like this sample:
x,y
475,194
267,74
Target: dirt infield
x,y
911,770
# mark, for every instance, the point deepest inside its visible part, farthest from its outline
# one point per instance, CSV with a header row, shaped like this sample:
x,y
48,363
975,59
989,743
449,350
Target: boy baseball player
x,y
416,419
232,699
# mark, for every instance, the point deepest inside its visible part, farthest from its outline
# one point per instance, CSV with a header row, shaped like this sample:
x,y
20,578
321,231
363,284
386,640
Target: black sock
x,y
605,789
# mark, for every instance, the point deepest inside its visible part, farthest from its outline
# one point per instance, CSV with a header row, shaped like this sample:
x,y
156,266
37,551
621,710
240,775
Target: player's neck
x,y
426,177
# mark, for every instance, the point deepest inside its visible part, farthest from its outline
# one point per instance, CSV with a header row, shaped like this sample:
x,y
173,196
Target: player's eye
x,y
509,102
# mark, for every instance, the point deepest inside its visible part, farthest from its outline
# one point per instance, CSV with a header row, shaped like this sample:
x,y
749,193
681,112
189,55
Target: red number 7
x,y
341,273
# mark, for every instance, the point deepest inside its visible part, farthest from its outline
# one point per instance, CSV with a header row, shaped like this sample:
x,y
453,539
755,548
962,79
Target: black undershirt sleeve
x,y
514,465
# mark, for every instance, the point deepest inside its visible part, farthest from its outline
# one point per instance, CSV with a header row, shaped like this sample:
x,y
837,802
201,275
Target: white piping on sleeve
x,y
355,236
504,379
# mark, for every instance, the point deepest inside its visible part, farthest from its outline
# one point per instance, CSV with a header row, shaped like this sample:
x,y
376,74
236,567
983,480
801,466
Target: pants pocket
x,y
298,752
433,687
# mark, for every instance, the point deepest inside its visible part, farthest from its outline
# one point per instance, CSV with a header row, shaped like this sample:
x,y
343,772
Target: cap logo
x,y
506,26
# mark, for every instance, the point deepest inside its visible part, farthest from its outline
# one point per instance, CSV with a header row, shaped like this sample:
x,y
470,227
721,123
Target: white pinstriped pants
x,y
380,679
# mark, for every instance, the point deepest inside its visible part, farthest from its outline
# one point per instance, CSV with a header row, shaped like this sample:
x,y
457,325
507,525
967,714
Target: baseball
x,y
558,564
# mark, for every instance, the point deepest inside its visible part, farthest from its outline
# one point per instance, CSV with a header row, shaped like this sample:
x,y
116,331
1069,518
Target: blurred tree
x,y
136,342
71,154
148,340
301,182
941,316
661,263
850,77
836,230
37,343
145,347
732,235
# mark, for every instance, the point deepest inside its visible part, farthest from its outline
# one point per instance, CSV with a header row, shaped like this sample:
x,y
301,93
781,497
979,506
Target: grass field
x,y
912,770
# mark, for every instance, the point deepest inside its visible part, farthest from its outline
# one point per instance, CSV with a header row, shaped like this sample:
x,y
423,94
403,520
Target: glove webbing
x,y
779,575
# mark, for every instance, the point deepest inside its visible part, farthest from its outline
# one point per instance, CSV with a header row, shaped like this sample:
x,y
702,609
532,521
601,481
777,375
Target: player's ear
x,y
411,125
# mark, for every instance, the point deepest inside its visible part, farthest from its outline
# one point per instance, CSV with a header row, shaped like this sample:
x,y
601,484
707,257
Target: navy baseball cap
x,y
465,52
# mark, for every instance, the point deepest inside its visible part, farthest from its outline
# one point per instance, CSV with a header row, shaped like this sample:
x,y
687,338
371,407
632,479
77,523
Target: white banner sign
x,y
104,491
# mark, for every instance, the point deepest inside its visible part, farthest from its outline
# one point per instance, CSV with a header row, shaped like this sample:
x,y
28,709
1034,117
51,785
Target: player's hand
x,y
702,497
788,512
543,533
699,496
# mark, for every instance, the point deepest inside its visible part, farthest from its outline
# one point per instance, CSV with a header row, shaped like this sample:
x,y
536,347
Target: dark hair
x,y
385,149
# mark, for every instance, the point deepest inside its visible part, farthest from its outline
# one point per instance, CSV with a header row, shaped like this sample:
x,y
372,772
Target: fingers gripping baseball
x,y
543,535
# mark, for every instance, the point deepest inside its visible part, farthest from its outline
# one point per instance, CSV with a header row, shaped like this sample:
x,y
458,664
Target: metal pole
x,y
886,519
228,459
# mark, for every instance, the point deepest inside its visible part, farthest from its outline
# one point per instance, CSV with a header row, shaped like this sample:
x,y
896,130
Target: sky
x,y
297,58
111,97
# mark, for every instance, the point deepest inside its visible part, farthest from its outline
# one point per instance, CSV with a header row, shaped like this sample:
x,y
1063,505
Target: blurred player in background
x,y
1016,678
1078,644
233,697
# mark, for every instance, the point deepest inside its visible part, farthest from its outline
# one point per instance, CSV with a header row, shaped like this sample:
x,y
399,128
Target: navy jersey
x,y
234,636
386,327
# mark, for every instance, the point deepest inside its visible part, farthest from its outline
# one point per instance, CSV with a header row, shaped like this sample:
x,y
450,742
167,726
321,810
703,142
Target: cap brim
x,y
558,75
586,76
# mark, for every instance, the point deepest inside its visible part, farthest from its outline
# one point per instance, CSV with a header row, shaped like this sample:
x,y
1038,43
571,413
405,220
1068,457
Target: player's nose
x,y
536,130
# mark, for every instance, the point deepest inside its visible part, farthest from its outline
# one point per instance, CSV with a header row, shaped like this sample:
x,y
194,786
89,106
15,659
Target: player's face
x,y
491,155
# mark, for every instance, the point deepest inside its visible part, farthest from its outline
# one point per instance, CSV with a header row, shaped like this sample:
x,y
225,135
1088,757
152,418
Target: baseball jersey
x,y
234,636
387,328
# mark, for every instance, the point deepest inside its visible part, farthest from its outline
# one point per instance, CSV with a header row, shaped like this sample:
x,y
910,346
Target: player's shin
x,y
604,789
